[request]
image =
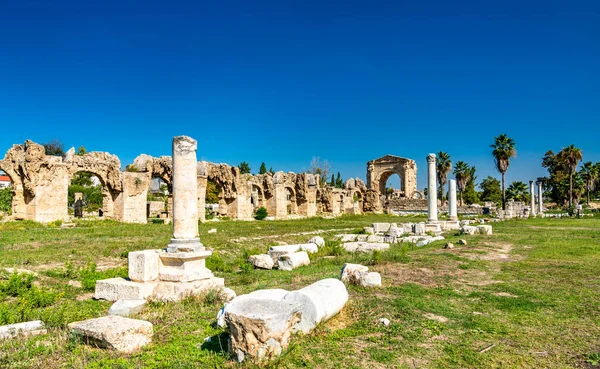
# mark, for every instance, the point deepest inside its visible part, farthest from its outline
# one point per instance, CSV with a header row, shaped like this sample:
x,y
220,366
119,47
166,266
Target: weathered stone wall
x,y
40,186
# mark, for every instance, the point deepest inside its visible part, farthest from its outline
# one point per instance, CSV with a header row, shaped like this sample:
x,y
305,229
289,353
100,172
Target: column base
x,y
452,219
191,245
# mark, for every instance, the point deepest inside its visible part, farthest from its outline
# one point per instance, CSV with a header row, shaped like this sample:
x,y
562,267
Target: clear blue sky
x,y
283,81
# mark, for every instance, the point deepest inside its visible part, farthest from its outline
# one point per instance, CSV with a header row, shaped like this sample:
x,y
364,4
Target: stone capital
x,y
431,158
184,145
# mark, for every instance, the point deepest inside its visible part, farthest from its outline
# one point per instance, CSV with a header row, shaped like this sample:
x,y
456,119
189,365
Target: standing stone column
x,y
532,201
540,194
431,190
185,196
452,211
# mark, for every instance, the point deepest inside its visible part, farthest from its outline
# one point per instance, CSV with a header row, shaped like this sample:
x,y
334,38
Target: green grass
x,y
526,297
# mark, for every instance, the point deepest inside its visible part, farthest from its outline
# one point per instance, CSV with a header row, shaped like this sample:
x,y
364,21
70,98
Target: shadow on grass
x,y
217,344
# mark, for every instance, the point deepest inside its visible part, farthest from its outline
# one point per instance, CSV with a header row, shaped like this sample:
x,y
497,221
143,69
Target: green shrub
x,y
6,196
55,224
261,213
17,284
331,248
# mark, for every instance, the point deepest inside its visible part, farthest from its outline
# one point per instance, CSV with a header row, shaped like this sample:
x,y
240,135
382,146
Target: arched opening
x,y
319,201
290,197
357,201
256,198
158,199
86,195
391,186
212,199
6,195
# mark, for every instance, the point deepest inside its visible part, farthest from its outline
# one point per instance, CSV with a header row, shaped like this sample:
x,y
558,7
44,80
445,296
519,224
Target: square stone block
x,y
114,289
114,332
143,265
184,266
177,291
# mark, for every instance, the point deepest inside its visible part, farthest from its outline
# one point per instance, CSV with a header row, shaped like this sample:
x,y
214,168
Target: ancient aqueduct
x,y
40,186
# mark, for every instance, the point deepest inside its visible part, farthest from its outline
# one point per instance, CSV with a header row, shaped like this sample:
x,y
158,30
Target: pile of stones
x,y
287,257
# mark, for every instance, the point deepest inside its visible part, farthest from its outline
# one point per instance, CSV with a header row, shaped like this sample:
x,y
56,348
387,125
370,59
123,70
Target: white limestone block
x,y
471,230
262,261
319,302
292,261
348,237
260,328
309,247
32,328
177,291
380,227
114,289
362,237
143,265
419,229
126,308
369,230
317,240
114,332
484,229
351,273
375,238
370,279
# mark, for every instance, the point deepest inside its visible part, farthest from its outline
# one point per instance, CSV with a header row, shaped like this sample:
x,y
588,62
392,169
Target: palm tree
x,y
504,149
571,156
462,172
518,191
444,166
589,173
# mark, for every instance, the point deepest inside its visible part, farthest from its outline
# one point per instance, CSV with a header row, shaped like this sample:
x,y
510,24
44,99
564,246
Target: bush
x,y
6,200
261,213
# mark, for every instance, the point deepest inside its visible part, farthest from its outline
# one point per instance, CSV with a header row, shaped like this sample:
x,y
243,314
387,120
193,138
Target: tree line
x,y
564,185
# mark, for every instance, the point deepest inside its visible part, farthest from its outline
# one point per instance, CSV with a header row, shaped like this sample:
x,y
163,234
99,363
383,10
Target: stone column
x,y
532,201
540,194
185,196
452,211
431,190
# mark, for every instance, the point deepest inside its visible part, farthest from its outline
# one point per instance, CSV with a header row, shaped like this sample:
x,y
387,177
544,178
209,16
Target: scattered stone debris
x,y
384,321
462,242
449,246
213,230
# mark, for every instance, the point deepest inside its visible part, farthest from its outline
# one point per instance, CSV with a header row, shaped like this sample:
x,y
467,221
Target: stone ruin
x,y
41,182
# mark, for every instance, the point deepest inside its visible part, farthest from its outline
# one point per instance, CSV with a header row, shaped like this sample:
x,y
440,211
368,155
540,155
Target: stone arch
x,y
107,207
379,170
291,204
257,198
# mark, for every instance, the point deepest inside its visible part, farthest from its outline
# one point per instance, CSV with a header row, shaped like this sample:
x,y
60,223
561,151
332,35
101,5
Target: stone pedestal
x,y
452,210
180,270
432,216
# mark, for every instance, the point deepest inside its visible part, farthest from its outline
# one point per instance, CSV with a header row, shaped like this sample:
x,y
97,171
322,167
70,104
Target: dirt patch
x,y
400,273
505,294
437,318
563,228
493,251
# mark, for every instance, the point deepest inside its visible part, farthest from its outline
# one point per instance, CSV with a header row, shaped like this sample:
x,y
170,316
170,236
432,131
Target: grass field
x,y
526,297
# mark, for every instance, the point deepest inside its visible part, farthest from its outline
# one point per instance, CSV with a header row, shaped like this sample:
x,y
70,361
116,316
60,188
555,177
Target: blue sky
x,y
283,81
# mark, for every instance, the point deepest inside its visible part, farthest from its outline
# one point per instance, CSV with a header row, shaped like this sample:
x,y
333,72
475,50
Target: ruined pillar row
x,y
452,210
431,190
185,196
532,199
